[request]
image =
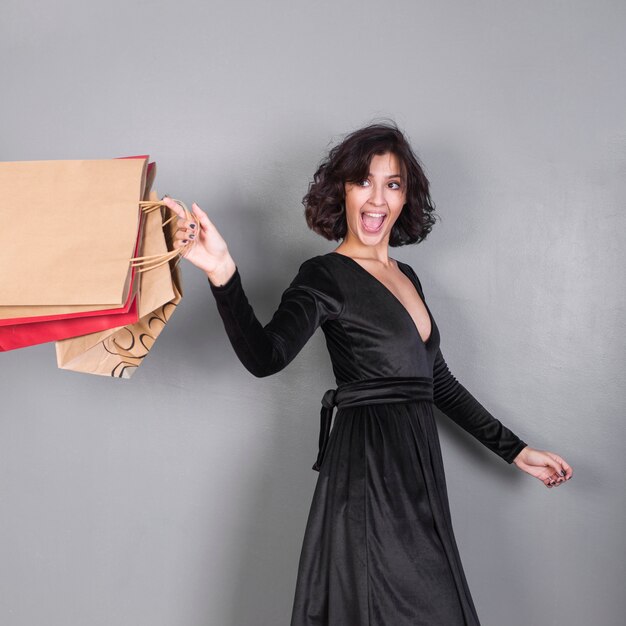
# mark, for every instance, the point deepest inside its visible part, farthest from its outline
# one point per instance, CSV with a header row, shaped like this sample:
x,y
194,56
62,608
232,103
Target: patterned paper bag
x,y
120,351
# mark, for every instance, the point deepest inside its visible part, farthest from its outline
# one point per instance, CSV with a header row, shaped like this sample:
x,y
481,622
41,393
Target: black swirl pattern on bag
x,y
132,343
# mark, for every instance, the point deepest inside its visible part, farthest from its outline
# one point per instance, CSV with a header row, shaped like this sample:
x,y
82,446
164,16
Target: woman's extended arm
x,y
451,397
310,299
460,406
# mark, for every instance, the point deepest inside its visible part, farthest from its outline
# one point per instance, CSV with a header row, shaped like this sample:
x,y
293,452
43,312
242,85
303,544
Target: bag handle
x,y
149,262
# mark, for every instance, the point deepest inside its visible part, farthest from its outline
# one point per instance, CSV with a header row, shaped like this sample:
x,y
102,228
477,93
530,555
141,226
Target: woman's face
x,y
374,204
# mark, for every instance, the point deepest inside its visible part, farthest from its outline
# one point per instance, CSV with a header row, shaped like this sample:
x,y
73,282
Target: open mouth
x,y
372,221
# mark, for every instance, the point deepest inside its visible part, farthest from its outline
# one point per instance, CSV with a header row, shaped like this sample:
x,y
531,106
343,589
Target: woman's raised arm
x,y
308,302
311,298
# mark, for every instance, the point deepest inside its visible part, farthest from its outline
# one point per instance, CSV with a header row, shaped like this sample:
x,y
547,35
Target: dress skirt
x,y
379,548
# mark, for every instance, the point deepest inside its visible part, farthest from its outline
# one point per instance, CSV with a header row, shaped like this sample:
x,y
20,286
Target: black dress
x,y
378,548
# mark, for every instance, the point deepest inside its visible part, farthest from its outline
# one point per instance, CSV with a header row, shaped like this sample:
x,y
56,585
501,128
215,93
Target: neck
x,y
357,249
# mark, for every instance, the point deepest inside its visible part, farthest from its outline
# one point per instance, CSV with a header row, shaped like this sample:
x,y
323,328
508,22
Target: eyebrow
x,y
390,176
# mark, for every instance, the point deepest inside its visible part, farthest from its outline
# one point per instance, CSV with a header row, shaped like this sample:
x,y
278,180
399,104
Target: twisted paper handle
x,y
149,262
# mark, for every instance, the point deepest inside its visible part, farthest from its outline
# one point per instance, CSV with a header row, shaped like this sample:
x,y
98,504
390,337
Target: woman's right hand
x,y
209,251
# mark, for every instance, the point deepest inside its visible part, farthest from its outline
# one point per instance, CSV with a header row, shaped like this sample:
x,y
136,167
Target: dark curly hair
x,y
348,162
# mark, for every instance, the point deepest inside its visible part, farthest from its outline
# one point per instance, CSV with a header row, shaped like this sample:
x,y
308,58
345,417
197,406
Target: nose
x,y
377,197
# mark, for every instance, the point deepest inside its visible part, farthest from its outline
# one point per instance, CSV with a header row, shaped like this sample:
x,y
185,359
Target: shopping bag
x,y
28,314
36,330
119,352
97,203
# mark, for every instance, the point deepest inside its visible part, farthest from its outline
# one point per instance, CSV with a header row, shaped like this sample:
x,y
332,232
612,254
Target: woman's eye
x,y
364,183
394,185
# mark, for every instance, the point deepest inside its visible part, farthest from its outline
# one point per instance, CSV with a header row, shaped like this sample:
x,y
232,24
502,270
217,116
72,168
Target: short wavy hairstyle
x,y
348,162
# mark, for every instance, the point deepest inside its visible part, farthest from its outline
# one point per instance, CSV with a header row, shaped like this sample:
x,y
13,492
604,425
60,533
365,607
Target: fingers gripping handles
x,y
145,263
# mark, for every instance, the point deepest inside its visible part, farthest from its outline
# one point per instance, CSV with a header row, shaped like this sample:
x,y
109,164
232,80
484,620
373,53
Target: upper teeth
x,y
374,214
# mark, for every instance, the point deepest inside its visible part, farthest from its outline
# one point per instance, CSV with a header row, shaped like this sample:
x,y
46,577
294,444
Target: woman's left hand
x,y
548,467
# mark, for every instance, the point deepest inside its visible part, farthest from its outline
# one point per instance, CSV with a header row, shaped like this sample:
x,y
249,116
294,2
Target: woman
x,y
379,547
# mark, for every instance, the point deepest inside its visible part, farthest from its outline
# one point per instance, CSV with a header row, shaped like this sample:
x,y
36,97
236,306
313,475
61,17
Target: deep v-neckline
x,y
396,299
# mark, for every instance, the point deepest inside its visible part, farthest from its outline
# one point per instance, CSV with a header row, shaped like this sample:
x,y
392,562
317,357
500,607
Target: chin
x,y
371,239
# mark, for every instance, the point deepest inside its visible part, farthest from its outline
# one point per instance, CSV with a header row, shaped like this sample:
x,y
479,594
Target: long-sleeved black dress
x,y
379,547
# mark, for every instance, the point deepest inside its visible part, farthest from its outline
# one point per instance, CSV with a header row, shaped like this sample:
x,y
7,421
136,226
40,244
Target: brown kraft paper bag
x,y
119,352
16,312
79,223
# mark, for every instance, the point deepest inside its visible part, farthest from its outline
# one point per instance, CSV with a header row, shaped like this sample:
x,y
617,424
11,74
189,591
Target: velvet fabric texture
x,y
379,547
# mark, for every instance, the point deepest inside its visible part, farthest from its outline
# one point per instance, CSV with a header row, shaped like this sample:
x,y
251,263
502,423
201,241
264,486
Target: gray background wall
x,y
180,497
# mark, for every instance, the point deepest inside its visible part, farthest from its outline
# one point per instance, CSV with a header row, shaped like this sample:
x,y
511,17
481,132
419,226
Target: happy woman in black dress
x,y
379,547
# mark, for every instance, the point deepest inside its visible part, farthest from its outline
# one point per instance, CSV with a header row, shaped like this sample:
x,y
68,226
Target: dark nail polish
x,y
192,225
562,473
191,236
184,241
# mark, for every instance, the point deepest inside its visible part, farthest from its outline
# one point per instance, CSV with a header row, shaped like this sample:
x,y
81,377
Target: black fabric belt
x,y
382,390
